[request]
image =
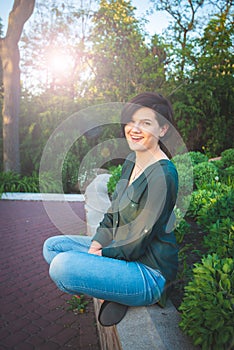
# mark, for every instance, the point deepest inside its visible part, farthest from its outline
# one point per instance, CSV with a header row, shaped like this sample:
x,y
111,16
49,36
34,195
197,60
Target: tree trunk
x,y
10,57
10,112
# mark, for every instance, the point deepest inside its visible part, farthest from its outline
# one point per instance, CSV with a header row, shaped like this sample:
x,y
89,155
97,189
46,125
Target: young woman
x,y
133,254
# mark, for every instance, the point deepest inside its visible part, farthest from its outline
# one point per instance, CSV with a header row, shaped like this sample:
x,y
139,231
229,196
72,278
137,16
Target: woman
x,y
133,254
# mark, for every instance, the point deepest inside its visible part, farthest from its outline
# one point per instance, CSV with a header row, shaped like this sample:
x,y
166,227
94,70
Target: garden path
x,y
33,311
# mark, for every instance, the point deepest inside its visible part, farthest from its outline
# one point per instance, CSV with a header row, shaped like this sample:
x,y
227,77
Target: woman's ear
x,y
164,130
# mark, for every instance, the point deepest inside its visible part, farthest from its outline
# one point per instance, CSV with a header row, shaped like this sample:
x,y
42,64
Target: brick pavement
x,y
33,311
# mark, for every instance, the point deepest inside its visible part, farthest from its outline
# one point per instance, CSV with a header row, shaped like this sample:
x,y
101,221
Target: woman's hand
x,y
95,248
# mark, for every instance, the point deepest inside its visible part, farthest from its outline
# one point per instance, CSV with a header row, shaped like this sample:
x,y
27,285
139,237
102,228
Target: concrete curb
x,y
43,197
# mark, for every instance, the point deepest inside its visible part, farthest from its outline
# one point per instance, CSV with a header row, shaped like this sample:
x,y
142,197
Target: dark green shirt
x,y
139,224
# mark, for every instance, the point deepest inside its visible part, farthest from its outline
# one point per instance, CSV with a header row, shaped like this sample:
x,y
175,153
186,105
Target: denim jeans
x,y
76,271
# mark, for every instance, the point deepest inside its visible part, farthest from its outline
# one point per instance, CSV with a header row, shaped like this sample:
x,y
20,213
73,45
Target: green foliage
x,y
184,273
203,197
205,173
225,166
227,158
212,207
182,227
197,200
197,157
115,176
115,63
220,238
116,35
40,115
48,184
185,174
217,208
227,175
70,172
77,304
190,158
207,307
181,230
13,182
112,59
56,30
184,166
203,104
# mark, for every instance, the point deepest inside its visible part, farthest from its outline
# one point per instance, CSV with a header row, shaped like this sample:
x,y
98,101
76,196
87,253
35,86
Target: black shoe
x,y
111,313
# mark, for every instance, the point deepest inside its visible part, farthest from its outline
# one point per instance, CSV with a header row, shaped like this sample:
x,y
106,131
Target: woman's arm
x,y
104,232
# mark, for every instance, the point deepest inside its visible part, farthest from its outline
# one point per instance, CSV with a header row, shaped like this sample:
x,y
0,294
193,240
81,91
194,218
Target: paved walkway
x,y
33,312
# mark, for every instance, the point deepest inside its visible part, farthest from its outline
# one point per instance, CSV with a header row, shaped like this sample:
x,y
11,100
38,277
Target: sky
x,y
157,21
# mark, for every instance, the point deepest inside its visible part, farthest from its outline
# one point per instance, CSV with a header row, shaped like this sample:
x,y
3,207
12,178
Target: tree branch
x,y
20,13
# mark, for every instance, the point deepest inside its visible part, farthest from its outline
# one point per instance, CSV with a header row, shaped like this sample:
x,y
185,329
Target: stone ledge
x,y
148,328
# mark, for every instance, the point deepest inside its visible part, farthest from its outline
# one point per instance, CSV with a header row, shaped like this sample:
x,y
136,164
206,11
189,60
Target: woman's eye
x,y
141,123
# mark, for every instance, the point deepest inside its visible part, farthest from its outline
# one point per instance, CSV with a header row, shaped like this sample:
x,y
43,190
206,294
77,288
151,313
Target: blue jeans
x,y
76,271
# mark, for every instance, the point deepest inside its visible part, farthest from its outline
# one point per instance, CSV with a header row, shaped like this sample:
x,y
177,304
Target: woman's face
x,y
143,131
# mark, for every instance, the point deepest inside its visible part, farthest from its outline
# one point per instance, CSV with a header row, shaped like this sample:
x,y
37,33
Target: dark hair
x,y
159,104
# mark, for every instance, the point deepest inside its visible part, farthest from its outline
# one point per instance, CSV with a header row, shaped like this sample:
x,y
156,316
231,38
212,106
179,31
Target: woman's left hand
x,y
95,248
96,252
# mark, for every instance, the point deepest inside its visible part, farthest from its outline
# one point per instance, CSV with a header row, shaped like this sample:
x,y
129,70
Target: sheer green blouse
x,y
139,224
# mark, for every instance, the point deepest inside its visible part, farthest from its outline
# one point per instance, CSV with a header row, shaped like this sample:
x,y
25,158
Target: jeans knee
x,y
49,248
45,252
57,268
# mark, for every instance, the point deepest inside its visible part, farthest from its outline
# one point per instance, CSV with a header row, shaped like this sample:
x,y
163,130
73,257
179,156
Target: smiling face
x,y
143,131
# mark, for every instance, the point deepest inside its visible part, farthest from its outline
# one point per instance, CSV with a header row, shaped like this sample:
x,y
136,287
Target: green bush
x,y
48,184
70,171
217,208
197,157
203,197
190,158
185,173
181,230
205,173
182,227
115,176
198,200
227,158
220,238
225,166
227,175
13,182
207,307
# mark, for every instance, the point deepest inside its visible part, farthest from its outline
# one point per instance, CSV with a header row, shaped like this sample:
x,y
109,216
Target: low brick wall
x,y
109,338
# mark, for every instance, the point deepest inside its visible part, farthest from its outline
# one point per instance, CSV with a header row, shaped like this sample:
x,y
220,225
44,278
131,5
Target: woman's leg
x,y
59,244
128,283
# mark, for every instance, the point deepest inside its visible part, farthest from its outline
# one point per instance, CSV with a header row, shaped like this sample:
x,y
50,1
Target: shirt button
x,y
145,230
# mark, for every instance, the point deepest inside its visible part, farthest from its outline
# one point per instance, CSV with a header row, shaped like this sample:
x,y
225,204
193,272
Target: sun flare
x,y
60,63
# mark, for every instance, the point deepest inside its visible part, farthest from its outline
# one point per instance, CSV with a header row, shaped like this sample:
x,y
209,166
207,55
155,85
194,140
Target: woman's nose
x,y
136,127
